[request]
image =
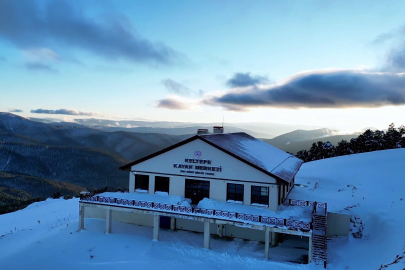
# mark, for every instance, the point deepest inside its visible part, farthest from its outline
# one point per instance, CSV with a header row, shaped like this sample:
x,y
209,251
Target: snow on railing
x,y
316,206
201,212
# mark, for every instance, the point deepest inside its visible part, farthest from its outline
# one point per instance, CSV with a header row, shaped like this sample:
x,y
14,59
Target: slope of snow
x,y
43,236
371,188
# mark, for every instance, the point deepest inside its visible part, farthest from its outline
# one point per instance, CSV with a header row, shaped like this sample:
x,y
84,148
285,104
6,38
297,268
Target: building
x,y
225,184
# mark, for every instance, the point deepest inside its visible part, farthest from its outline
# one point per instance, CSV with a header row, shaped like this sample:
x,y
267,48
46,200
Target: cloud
x,y
245,79
41,54
320,89
15,110
172,104
180,89
395,60
66,111
382,38
44,24
176,87
39,66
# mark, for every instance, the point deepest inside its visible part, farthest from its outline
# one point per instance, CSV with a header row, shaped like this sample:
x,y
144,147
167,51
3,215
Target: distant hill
x,y
80,166
257,129
127,145
190,130
37,186
297,140
18,190
59,157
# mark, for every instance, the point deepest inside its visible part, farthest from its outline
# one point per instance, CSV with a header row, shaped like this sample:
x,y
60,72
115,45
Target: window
x,y
234,192
162,184
260,195
196,190
141,182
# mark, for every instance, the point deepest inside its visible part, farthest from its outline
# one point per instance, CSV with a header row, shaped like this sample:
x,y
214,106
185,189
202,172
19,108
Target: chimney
x,y
202,131
218,130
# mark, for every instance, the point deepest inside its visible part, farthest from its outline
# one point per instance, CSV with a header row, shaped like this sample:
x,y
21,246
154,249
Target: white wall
x,y
231,167
124,217
244,233
233,171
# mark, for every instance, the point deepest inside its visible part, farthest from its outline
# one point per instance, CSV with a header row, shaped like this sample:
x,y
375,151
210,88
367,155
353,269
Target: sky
x,y
336,64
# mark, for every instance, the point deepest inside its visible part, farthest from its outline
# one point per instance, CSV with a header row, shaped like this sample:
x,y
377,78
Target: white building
x,y
236,186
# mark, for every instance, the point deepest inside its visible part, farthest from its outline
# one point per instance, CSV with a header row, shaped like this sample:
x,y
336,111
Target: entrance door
x,y
196,190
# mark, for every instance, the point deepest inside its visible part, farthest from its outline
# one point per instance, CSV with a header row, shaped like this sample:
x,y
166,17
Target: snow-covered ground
x,y
369,186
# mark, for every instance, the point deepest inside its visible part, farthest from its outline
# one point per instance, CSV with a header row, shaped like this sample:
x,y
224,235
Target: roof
x,y
254,152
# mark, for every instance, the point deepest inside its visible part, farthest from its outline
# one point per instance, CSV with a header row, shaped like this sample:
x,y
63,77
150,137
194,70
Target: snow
x,y
287,212
233,201
371,188
140,196
257,152
43,236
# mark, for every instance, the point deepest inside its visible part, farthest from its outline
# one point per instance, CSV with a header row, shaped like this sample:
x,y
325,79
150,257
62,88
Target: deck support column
x,y
206,234
172,223
156,225
310,249
108,221
267,243
220,230
273,239
81,217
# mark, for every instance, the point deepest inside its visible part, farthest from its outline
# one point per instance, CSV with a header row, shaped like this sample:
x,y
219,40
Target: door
x,y
164,222
196,190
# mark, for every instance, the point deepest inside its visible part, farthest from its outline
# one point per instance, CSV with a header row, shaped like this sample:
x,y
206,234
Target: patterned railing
x,y
192,211
316,206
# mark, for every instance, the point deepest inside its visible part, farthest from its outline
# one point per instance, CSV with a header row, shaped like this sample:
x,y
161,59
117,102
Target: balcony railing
x,y
290,224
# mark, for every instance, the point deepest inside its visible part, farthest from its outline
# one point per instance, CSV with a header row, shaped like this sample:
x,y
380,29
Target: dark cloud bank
x,y
245,79
65,111
15,110
172,104
28,24
334,89
326,89
180,89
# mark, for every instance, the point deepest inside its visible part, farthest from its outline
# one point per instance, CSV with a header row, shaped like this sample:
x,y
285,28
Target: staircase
x,y
319,240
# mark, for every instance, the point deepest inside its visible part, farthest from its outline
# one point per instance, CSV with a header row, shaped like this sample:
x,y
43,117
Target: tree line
x,y
366,142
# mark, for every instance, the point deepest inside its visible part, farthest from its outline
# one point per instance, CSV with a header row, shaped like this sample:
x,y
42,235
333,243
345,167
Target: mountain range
x,y
297,140
88,156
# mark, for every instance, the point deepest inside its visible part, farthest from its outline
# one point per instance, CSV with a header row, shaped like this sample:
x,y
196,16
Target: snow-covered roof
x,y
252,151
257,153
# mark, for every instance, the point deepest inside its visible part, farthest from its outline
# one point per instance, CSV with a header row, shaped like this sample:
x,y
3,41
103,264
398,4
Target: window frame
x,y
162,178
233,190
263,199
141,182
202,187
